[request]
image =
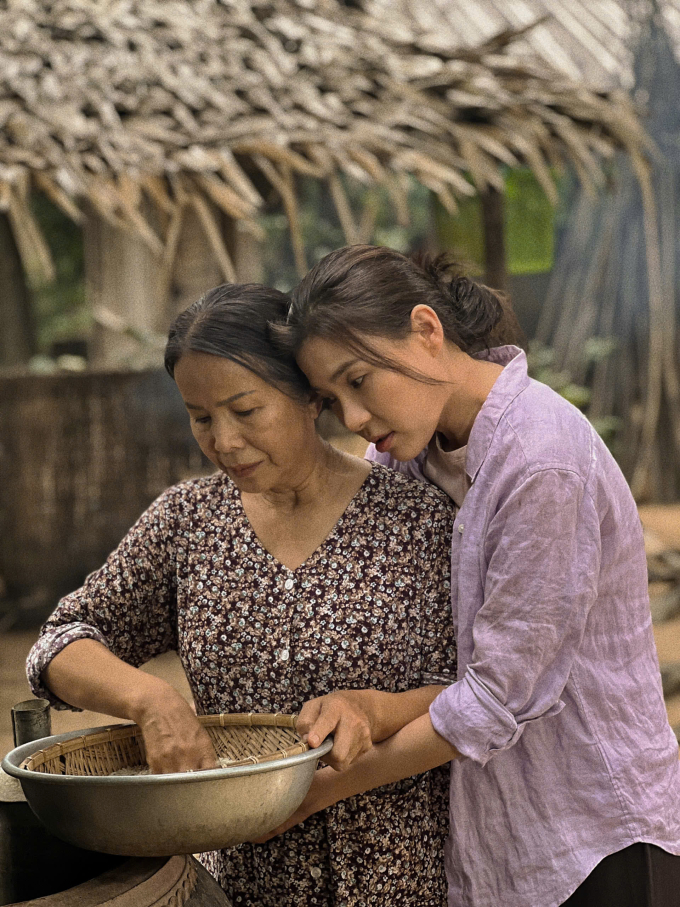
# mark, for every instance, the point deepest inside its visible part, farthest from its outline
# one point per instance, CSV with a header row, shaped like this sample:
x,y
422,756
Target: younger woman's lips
x,y
384,444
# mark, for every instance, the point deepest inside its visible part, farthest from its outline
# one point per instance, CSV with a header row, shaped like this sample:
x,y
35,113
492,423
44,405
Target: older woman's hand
x,y
345,714
359,718
174,739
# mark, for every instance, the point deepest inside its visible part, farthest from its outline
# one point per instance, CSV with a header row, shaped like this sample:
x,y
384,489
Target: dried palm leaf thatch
x,y
139,107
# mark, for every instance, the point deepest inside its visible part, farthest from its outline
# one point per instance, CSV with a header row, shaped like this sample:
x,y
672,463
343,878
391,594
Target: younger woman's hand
x,y
174,739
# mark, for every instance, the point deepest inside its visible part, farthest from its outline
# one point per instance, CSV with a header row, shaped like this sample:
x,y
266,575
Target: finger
x,y
351,740
325,724
309,714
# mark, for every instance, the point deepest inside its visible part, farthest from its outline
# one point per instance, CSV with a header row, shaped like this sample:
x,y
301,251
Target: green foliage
x,y
530,221
60,309
529,224
462,233
541,361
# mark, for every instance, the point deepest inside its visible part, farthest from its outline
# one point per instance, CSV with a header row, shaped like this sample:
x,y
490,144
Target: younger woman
x,y
567,785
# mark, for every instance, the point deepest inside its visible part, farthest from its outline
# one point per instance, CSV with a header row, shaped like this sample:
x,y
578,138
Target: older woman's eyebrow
x,y
222,402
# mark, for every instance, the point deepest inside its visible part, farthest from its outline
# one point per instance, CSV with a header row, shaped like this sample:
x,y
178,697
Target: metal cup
x,y
31,720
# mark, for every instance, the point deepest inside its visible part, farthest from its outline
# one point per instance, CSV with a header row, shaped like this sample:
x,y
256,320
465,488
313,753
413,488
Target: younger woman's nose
x,y
353,417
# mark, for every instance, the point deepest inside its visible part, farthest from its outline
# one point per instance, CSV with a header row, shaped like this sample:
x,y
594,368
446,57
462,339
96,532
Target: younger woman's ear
x,y
426,324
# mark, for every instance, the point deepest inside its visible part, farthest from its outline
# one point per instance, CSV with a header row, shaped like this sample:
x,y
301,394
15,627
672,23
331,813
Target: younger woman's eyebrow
x,y
343,368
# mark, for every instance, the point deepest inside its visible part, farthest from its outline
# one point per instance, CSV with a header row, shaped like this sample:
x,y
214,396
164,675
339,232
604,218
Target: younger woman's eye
x,y
202,420
357,382
244,412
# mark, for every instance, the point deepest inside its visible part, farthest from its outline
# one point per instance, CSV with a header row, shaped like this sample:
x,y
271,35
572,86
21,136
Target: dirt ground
x,y
662,523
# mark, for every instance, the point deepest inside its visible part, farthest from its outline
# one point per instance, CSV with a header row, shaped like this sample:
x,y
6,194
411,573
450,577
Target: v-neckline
x,y
326,541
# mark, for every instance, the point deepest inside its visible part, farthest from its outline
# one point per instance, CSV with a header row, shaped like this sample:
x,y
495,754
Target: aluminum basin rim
x,y
12,761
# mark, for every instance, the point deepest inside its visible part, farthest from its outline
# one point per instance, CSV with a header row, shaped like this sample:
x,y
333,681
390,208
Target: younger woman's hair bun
x,y
483,316
367,291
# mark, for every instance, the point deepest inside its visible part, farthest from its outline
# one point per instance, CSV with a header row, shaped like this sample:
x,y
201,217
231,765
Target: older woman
x,y
293,571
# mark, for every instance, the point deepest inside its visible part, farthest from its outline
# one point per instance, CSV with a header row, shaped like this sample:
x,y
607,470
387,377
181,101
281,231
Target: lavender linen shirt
x,y
558,708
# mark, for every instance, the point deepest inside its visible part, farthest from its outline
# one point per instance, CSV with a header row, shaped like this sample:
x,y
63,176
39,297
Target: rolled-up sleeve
x,y
128,605
541,558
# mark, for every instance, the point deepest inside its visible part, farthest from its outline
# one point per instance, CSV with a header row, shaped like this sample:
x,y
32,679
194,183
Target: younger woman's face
x,y
260,437
399,414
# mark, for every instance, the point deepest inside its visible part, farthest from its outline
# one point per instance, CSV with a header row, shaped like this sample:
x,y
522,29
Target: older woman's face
x,y
261,438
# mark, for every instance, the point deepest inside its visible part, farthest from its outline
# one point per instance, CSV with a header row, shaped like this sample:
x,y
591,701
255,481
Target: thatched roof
x,y
139,107
589,40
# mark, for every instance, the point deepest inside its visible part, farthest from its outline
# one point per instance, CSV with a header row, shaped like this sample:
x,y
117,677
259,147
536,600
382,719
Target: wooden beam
x,y
493,209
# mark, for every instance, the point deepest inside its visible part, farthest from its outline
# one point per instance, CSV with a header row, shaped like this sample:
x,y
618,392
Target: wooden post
x,y
493,207
17,332
123,281
195,268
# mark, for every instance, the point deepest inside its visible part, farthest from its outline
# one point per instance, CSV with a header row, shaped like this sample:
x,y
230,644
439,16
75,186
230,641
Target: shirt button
x,y
315,872
460,528
284,654
288,584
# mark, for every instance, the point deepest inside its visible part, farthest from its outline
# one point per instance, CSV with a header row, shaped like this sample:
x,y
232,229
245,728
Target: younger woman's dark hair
x,y
234,321
369,291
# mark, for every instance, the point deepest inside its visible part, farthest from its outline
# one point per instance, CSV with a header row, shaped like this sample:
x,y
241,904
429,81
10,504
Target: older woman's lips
x,y
383,444
242,472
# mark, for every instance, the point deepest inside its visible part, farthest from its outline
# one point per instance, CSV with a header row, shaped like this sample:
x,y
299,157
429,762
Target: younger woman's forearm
x,y
414,749
390,712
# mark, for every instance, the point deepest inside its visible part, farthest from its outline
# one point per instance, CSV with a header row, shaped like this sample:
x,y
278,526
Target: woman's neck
x,y
325,472
470,382
292,522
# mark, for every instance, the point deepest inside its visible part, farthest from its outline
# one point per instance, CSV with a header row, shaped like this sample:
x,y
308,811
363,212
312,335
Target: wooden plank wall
x,y
81,456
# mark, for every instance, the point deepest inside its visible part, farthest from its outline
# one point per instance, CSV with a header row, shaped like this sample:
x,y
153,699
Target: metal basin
x,y
161,815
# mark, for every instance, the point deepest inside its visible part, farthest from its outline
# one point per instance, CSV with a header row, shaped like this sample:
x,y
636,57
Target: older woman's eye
x,y
357,382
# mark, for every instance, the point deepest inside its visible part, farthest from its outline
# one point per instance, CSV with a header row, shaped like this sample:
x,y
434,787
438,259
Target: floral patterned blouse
x,y
369,608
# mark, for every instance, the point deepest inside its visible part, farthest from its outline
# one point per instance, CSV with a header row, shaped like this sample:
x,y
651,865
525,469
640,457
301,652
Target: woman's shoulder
x,y
402,493
549,431
202,494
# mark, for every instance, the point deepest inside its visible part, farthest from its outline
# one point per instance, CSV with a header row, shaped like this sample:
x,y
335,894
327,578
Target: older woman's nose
x,y
227,438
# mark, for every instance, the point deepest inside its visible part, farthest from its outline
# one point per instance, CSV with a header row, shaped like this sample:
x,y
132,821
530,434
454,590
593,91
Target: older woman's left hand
x,y
346,714
359,718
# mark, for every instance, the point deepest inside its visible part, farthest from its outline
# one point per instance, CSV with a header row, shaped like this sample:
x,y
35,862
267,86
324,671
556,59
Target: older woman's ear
x,y
317,404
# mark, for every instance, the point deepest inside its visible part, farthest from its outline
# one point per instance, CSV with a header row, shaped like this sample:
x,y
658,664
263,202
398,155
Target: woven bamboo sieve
x,y
242,739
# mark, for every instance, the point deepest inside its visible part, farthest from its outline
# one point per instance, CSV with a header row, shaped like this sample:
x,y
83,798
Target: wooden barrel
x,y
155,882
33,863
